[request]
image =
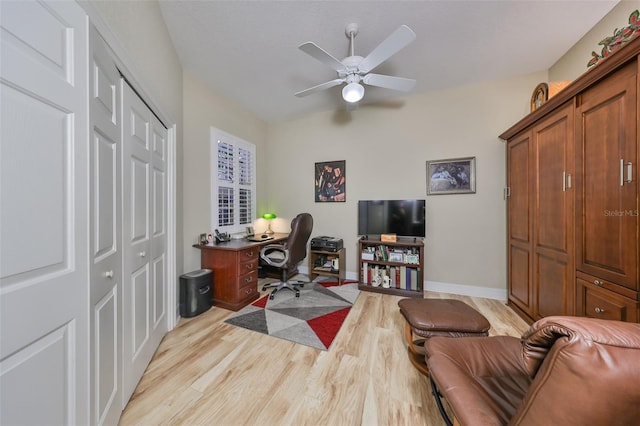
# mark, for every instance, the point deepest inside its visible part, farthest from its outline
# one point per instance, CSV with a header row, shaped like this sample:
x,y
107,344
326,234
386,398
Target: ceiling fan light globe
x,y
353,92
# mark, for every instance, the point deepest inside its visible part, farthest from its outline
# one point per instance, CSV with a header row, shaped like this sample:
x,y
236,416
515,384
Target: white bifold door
x,y
144,231
105,239
44,250
128,235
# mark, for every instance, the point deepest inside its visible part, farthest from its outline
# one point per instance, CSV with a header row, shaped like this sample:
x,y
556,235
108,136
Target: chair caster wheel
x,y
301,285
271,297
297,294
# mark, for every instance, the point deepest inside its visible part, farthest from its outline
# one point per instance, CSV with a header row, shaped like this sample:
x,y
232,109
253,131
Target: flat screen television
x,y
404,218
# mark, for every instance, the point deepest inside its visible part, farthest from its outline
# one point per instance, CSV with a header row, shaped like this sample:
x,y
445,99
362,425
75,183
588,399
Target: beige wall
x,y
204,109
574,63
386,150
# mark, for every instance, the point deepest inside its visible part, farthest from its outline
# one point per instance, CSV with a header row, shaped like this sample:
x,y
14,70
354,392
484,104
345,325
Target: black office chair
x,y
287,255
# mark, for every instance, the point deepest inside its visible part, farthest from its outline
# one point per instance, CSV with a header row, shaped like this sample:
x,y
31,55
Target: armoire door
x,y
607,239
144,236
44,187
553,236
520,222
105,233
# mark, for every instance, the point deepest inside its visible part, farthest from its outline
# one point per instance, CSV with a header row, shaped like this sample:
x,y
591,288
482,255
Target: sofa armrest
x,y
587,371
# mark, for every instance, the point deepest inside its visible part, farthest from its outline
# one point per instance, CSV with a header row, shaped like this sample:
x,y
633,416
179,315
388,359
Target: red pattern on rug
x,y
262,302
327,326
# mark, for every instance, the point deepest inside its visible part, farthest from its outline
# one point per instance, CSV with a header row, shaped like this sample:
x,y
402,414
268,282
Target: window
x,y
233,184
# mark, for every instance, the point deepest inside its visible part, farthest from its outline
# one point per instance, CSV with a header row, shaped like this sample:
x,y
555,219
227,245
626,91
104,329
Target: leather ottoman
x,y
426,318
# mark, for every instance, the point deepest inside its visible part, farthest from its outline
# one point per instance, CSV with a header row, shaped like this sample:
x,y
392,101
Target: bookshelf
x,y
401,262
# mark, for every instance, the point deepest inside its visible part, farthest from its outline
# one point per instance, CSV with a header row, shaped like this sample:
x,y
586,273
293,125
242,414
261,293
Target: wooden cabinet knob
x,y
599,310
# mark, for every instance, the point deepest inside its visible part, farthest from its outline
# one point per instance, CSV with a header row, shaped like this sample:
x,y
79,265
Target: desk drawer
x,y
248,285
248,255
248,267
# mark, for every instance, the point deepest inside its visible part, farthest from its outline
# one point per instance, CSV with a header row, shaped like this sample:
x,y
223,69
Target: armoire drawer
x,y
596,302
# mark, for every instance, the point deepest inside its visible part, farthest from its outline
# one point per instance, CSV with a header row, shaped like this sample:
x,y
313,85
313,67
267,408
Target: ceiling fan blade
x,y
322,55
398,39
389,82
320,87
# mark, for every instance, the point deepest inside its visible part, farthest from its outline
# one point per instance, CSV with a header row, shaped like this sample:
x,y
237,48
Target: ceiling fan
x,y
354,70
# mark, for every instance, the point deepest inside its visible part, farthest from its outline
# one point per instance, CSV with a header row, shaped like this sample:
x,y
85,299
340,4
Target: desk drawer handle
x,y
599,310
597,282
249,253
248,279
248,291
249,266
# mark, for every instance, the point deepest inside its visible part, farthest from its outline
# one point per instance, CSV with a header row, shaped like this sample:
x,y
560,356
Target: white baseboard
x,y
461,289
467,290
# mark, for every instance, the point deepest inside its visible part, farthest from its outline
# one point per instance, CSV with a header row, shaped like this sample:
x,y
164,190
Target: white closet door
x,y
105,235
44,287
144,236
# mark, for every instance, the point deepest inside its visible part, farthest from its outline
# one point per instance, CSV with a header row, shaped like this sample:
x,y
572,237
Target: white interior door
x,y
105,233
144,236
44,288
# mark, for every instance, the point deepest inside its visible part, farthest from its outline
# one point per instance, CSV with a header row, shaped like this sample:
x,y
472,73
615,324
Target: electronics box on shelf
x,y
325,243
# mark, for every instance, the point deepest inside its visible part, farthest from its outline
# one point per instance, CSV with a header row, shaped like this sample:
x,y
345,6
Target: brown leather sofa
x,y
562,371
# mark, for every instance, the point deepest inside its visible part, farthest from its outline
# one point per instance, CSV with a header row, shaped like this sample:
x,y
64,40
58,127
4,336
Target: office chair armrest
x,y
271,248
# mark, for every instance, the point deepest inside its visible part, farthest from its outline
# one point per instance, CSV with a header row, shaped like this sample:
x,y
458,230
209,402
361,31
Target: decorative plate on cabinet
x,y
539,96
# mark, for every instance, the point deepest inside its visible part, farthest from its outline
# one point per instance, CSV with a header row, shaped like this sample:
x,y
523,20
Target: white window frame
x,y
238,144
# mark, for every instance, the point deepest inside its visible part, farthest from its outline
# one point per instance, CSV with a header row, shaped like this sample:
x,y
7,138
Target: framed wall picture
x,y
330,181
452,176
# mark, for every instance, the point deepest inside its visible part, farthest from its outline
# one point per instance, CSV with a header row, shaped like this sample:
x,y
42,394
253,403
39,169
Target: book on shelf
x,y
403,277
414,279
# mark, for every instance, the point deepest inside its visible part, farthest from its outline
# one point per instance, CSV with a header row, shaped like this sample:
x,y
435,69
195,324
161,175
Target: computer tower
x,y
195,292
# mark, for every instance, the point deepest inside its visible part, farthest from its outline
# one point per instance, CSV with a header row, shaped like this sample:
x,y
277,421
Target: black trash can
x,y
195,292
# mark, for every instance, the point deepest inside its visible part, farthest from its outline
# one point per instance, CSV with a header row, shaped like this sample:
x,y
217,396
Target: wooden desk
x,y
235,270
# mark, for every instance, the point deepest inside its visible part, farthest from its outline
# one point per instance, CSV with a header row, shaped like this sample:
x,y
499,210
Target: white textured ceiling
x,y
248,50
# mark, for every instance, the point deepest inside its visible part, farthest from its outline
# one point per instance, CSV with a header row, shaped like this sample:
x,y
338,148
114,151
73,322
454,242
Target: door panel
x,y
519,219
44,288
159,223
105,239
608,215
553,264
145,241
552,294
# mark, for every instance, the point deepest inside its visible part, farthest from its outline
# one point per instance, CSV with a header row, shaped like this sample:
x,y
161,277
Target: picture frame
x,y
451,176
330,181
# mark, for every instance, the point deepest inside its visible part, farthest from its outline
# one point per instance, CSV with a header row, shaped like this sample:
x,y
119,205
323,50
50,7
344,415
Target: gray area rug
x,y
313,319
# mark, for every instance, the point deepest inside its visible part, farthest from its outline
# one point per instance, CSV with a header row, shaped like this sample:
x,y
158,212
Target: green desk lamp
x,y
268,217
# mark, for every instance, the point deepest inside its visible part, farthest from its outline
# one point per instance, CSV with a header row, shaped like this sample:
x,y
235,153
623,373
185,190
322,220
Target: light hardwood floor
x,y
206,372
